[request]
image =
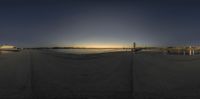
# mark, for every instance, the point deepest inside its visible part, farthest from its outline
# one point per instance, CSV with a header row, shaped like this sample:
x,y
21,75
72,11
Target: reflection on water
x,y
88,51
5,52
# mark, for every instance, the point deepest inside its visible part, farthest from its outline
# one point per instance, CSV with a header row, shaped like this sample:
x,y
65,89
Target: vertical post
x,y
132,72
192,51
133,47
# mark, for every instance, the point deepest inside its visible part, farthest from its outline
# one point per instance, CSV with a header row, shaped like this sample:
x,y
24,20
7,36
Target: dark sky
x,y
108,23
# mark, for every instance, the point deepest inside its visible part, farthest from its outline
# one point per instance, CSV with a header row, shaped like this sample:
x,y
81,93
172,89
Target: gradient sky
x,y
27,23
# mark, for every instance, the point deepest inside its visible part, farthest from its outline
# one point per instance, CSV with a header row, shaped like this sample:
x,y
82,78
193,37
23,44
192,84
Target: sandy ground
x,y
121,75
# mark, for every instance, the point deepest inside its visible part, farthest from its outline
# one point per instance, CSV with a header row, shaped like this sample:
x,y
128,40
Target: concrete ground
x,y
45,74
166,76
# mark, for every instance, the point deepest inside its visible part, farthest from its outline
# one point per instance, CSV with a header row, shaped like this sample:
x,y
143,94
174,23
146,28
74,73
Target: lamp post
x,y
133,47
132,72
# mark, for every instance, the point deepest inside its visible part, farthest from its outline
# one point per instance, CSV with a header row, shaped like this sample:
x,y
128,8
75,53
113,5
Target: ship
x,y
8,48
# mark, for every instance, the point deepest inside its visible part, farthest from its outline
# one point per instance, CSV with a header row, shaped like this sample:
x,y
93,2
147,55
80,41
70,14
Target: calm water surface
x,y
88,51
5,52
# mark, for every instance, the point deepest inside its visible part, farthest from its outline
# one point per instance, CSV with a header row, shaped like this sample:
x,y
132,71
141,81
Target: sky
x,y
99,23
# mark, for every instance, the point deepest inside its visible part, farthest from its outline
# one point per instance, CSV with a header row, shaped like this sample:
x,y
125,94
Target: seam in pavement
x,y
31,74
132,75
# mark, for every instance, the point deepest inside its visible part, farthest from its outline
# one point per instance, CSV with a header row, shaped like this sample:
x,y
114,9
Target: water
x,y
5,52
88,51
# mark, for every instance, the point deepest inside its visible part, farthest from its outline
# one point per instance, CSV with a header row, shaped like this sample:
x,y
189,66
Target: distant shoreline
x,y
71,48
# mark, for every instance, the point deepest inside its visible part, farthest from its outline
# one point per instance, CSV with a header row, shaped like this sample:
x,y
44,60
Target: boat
x,y
8,48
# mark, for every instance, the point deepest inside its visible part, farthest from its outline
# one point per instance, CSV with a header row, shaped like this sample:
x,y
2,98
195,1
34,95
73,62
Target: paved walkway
x,y
44,74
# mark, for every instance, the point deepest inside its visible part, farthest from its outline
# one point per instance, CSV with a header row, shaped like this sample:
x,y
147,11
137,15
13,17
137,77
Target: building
x,y
8,47
182,50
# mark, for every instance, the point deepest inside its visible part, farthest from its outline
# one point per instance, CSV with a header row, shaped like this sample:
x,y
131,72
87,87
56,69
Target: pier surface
x,y
41,74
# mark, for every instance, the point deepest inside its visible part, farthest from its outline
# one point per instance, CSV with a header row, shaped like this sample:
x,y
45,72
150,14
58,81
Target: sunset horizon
x,y
99,49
